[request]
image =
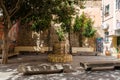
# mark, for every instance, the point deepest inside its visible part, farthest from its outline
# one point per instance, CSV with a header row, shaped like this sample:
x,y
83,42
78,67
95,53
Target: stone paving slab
x,y
9,71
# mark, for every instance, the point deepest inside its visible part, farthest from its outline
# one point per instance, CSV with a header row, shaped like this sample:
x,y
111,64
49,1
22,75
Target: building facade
x,y
111,25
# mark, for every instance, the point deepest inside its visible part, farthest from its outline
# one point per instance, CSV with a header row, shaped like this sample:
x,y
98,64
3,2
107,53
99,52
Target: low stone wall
x,y
81,49
31,49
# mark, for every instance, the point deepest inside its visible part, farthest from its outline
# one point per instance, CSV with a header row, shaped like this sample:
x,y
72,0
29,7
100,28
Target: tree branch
x,y
6,13
29,13
17,7
14,12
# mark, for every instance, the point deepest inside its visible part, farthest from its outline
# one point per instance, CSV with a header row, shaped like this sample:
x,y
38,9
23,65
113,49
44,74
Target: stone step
x,y
45,69
85,53
100,65
103,68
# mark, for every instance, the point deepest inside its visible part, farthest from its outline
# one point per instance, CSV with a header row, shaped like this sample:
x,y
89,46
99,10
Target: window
x,y
117,4
106,37
106,10
118,41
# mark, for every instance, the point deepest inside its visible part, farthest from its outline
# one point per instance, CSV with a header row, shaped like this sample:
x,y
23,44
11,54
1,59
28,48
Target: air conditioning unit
x,y
105,26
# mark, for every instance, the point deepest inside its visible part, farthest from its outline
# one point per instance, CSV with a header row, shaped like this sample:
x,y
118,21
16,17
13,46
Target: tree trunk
x,y
49,39
5,38
86,42
70,45
5,47
80,39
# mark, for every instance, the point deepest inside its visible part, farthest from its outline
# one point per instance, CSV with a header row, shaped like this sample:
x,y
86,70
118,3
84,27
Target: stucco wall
x,y
93,3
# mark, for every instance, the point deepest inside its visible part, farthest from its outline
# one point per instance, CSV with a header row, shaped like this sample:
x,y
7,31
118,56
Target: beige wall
x,y
93,3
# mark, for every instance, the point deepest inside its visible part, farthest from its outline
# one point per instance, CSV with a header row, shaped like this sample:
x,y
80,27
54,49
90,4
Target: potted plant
x,y
118,53
59,47
61,34
107,52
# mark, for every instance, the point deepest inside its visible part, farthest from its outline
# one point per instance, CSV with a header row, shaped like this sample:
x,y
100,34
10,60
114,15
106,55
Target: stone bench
x,y
82,49
19,49
84,53
100,65
44,69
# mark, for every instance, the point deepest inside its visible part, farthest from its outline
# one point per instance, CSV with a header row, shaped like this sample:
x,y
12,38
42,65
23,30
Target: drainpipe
x,y
114,21
114,15
102,23
112,30
102,11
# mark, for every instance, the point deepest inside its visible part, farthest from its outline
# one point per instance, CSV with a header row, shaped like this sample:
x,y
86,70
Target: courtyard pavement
x,y
9,71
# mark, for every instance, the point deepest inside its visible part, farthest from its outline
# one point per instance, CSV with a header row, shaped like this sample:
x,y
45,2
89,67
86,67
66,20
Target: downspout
x,y
102,23
114,21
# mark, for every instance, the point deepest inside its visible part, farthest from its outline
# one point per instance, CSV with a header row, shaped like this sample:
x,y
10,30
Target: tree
x,y
39,12
88,30
9,11
81,3
84,27
79,26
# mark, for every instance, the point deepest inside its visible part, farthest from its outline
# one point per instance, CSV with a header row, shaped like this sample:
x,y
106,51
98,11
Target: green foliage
x,y
84,24
79,23
64,12
81,3
61,34
117,49
88,28
42,13
38,23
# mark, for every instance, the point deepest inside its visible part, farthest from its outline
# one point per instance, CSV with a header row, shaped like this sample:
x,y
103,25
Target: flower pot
x,y
107,53
59,47
118,55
